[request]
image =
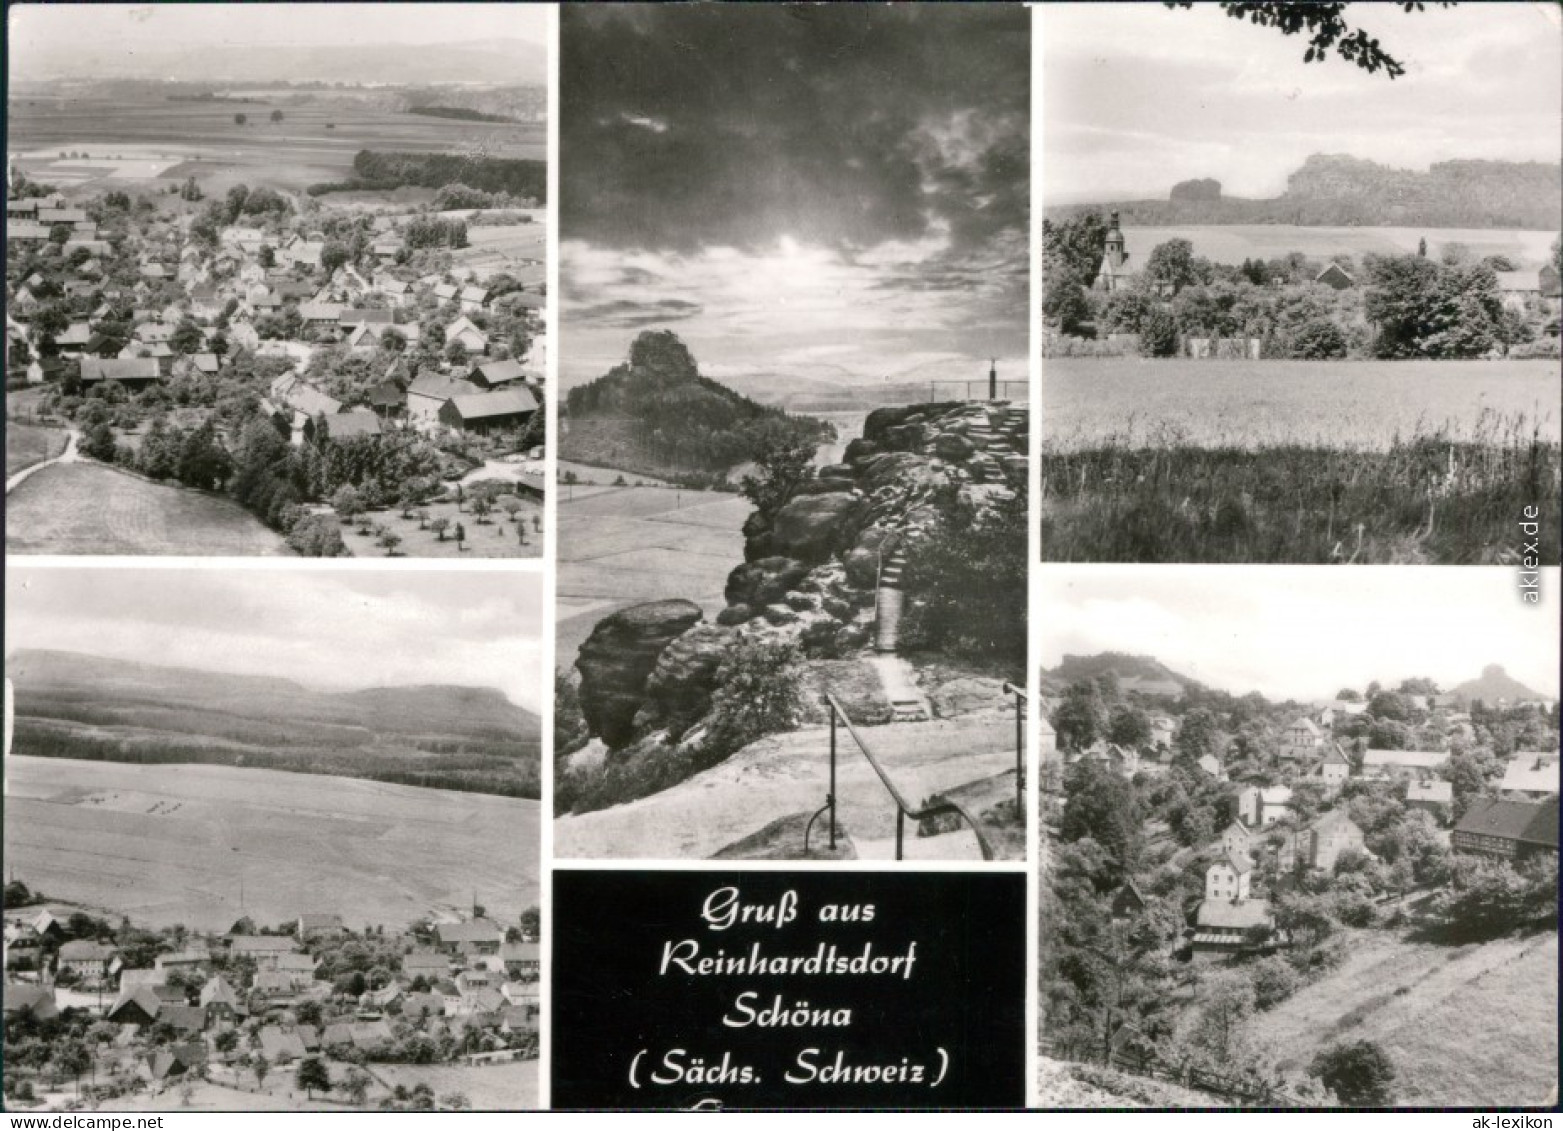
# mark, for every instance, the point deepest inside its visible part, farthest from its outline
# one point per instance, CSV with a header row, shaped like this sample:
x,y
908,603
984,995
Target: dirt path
x,y
69,455
787,774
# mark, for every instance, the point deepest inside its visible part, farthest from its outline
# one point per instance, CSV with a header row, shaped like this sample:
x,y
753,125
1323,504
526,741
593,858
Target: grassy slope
x,y
1471,1025
1295,504
27,444
86,508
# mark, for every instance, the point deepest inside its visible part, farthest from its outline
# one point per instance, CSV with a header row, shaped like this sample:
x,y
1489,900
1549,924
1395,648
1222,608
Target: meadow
x,y
178,844
1302,462
158,138
1465,1026
86,508
1233,243
27,444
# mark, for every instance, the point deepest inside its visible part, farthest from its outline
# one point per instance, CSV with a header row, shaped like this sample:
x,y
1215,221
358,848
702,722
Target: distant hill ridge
x,y
1494,684
655,414
74,705
1334,190
1144,674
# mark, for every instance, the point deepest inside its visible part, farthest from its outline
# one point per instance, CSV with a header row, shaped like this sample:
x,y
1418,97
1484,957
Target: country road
x,y
69,455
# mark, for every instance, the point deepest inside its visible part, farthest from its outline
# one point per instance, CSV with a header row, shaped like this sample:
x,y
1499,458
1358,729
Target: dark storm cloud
x,y
629,314
846,126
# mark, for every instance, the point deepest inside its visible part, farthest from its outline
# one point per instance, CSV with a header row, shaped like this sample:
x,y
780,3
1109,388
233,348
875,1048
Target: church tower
x,y
1113,275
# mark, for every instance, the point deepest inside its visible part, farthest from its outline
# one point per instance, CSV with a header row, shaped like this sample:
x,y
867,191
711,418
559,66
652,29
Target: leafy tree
x,y
1082,717
1171,264
312,1076
1324,25
276,115
783,462
1102,806
240,119
1199,733
333,255
1360,1073
1130,726
17,895
440,526
98,443
1158,334
355,1085
186,338
262,1068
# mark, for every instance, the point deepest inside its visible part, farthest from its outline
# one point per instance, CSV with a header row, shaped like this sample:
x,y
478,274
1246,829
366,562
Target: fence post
x,y
831,797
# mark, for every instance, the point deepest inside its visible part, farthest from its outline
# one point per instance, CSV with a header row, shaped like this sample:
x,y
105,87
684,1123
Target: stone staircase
x,y
888,601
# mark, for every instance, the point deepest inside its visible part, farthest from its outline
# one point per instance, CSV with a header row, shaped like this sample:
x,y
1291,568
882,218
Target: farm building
x,y
125,370
464,331
1335,276
350,424
492,375
320,927
34,1002
1127,901
1508,829
483,413
430,392
1530,776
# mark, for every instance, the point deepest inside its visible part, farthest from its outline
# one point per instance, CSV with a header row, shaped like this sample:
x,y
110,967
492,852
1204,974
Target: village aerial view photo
x,y
793,439
275,280
1300,839
1300,295
289,861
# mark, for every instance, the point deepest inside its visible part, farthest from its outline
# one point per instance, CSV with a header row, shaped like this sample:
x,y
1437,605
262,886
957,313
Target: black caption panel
x,y
788,989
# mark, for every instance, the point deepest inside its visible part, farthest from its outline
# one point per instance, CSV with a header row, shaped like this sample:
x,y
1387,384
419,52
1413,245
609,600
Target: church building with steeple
x,y
1114,274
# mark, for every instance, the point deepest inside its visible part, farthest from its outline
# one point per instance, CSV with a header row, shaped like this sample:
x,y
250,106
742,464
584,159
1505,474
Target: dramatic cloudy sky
x,y
328,629
1304,632
840,191
1138,97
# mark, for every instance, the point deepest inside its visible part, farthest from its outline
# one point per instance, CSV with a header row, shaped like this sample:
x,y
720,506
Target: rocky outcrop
x,y
619,657
812,527
764,582
679,688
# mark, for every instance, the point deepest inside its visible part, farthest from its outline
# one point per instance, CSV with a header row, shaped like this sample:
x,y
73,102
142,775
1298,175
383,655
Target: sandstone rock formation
x,y
619,657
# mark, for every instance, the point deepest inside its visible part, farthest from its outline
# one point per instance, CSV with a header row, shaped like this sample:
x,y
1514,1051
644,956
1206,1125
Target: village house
x,y
1301,739
33,1002
320,927
491,375
1224,927
463,330
185,960
138,1006
1336,277
220,1001
1335,768
1261,806
1320,845
86,959
471,937
1383,765
264,950
1127,901
1433,797
473,300
1229,878
1212,766
1236,840
1507,828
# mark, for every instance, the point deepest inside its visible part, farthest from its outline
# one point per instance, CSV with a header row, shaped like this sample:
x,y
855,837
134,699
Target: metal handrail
x,y
903,807
1021,699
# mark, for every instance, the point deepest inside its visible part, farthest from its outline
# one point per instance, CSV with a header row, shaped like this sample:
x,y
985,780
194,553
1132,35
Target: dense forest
x,y
384,172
